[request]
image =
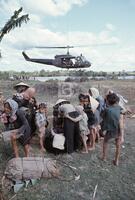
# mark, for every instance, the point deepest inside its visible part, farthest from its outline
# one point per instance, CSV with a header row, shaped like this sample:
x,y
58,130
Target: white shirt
x,y
40,119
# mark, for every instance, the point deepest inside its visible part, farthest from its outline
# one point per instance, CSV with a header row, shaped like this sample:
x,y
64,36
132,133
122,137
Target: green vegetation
x,y
13,22
73,73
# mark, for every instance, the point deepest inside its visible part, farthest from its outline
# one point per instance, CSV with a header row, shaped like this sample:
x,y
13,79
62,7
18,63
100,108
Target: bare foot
x,y
116,163
91,148
101,138
43,150
103,158
122,140
84,151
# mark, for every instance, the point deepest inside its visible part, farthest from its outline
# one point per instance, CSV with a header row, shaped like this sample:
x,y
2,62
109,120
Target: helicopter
x,y
67,60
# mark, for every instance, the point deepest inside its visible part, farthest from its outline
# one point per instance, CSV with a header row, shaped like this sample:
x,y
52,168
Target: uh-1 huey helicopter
x,y
63,61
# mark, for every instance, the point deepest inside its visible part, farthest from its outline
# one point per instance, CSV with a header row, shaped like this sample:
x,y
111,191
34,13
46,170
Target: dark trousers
x,y
71,133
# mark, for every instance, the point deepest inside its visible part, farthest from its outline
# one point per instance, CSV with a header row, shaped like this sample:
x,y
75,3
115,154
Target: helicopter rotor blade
x,y
58,47
95,45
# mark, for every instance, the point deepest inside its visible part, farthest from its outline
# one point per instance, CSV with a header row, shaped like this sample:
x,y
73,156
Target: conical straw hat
x,y
21,84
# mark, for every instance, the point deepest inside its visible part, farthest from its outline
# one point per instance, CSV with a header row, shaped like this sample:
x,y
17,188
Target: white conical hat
x,y
60,101
21,84
94,103
95,92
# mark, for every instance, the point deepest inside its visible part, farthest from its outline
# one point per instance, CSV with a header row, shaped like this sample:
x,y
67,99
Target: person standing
x,y
41,123
111,125
90,106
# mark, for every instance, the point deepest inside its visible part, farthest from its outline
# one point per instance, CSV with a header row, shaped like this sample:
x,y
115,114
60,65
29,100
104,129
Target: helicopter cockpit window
x,y
78,58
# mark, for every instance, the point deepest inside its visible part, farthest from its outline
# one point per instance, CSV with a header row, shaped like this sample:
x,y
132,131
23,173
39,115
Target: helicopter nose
x,y
88,63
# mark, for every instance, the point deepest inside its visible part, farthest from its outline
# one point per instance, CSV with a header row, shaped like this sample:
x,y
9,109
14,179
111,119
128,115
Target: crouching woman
x,y
18,125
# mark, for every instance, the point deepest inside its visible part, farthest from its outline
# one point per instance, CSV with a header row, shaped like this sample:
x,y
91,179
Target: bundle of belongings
x,y
31,167
6,136
28,169
58,140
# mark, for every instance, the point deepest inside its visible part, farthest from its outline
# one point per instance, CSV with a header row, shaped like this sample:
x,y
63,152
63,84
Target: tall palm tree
x,y
13,22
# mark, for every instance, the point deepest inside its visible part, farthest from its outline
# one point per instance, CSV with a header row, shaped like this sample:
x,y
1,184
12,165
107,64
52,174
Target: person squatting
x,y
74,128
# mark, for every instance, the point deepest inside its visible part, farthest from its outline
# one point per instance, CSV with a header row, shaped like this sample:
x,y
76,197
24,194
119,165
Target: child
x,y
41,123
122,103
81,99
83,126
111,125
90,105
32,108
95,94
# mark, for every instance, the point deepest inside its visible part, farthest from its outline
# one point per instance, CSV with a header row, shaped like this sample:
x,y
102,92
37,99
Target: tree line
x,y
12,75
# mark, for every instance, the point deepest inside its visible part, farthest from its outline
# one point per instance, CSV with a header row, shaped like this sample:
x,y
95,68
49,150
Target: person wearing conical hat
x,y
83,126
59,102
23,98
21,87
70,128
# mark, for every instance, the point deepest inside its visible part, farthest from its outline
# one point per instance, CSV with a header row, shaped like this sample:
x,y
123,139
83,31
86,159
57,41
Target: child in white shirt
x,y
41,122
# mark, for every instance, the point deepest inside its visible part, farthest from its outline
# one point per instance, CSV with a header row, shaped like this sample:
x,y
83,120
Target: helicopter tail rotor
x,y
25,56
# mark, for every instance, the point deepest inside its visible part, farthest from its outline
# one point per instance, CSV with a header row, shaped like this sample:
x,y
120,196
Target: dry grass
x,y
114,183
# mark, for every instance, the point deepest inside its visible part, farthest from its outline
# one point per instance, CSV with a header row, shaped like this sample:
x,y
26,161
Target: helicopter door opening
x,y
68,62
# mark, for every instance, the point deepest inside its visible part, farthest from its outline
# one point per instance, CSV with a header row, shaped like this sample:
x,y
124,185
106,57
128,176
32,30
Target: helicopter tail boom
x,y
41,61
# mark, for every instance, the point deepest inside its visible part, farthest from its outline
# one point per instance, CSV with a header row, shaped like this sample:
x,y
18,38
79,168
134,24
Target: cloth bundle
x,y
31,168
6,135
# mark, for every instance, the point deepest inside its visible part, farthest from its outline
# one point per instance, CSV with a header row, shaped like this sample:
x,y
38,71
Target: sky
x,y
104,28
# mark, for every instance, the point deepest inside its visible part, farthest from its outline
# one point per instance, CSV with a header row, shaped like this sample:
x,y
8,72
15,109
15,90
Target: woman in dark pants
x,y
71,133
20,127
71,129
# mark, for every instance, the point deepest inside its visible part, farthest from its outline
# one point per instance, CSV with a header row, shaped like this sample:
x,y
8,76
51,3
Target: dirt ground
x,y
112,183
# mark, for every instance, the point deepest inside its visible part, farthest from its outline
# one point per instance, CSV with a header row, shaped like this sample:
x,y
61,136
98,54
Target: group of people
x,y
74,128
